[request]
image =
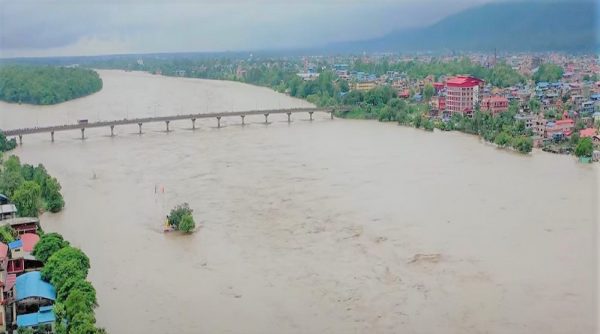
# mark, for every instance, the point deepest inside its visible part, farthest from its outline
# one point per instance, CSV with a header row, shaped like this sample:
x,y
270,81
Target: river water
x,y
330,226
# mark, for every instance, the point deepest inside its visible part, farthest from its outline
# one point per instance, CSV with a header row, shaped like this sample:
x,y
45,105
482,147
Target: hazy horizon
x,y
70,28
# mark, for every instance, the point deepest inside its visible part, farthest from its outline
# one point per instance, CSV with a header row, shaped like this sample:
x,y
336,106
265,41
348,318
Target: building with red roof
x,y
563,127
588,133
29,240
494,104
462,94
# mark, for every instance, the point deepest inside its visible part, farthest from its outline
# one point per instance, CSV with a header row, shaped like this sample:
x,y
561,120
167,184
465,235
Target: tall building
x,y
462,94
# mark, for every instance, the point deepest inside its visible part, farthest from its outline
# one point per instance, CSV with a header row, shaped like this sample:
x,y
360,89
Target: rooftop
x,y
3,250
463,81
44,316
29,240
589,132
15,244
31,285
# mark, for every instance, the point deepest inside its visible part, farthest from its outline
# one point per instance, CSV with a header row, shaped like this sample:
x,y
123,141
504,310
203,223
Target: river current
x,y
329,226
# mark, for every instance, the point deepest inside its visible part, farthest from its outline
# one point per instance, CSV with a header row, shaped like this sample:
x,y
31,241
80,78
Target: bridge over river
x,y
166,119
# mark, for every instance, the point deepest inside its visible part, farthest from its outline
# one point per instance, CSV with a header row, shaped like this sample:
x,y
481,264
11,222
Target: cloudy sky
x,y
92,27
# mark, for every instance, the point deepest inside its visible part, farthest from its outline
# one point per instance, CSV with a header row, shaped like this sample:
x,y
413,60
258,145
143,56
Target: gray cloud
x,y
38,28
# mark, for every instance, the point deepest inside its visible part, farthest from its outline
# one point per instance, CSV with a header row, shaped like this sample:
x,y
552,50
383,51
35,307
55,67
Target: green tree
x,y
7,234
534,105
523,144
6,144
428,91
76,284
548,72
502,139
82,322
177,214
344,87
585,147
65,263
27,199
26,330
187,224
49,244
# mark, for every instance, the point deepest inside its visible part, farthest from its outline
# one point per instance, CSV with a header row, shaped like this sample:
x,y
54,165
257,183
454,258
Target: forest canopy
x,y
46,84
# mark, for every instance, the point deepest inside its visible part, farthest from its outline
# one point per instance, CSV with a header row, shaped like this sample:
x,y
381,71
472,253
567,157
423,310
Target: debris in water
x,y
431,258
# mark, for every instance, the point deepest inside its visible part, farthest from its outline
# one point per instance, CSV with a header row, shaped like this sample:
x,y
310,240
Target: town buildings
x,y
26,300
494,104
462,94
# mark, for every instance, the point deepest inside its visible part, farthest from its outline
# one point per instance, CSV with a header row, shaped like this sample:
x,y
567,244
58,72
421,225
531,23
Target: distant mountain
x,y
505,26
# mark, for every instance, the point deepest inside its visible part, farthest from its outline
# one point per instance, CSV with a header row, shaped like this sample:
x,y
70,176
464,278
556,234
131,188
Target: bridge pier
x,y
218,121
82,133
52,136
266,118
243,116
112,130
289,114
193,124
139,128
167,124
20,139
310,113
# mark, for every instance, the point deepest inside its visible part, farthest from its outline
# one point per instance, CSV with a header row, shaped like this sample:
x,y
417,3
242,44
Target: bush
x,y
187,224
7,234
523,144
65,263
49,244
177,213
502,139
585,147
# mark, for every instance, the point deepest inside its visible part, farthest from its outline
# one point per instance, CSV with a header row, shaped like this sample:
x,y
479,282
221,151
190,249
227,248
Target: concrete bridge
x,y
166,119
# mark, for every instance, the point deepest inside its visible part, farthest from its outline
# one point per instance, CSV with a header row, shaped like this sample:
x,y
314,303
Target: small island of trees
x,y
46,84
181,219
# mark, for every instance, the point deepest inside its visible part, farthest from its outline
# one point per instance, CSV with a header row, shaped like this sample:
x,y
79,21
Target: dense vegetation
x,y
500,75
6,144
584,148
548,73
66,268
181,218
46,84
29,187
382,104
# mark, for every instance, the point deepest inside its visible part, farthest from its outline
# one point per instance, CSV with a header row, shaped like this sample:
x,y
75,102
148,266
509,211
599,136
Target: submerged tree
x,y
181,218
585,147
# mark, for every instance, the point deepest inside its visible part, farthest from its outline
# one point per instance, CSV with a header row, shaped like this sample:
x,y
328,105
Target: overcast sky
x,y
92,27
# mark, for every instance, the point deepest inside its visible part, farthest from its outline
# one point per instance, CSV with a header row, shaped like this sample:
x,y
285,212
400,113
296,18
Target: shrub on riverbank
x,y
49,244
31,188
584,148
46,84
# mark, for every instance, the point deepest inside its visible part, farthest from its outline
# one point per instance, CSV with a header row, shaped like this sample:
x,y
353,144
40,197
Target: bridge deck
x,y
46,129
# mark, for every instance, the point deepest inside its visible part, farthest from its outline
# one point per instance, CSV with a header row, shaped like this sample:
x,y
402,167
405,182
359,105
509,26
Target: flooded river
x,y
330,226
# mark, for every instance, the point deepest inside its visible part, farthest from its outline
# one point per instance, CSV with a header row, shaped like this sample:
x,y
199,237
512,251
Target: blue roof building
x,y
31,285
15,244
44,316
542,86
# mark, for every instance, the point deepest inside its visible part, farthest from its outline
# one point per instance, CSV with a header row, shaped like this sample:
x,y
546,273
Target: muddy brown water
x,y
330,226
